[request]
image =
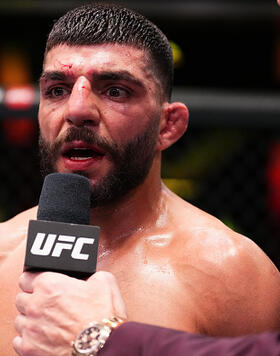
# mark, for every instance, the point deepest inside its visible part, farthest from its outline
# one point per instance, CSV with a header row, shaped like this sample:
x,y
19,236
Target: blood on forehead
x,y
96,57
67,68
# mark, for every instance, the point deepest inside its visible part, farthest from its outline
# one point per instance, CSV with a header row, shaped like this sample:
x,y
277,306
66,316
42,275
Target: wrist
x,y
92,339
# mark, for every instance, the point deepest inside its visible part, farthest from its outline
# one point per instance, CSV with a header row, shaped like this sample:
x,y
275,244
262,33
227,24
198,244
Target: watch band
x,y
90,340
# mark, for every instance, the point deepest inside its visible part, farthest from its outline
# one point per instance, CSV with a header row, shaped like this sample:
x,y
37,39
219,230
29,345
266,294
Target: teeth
x,y
80,154
80,158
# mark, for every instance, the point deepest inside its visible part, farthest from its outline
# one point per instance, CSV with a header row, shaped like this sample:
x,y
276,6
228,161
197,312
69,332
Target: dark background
x,y
228,162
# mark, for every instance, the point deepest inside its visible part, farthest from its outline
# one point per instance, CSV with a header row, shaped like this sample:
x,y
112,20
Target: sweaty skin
x,y
190,273
176,266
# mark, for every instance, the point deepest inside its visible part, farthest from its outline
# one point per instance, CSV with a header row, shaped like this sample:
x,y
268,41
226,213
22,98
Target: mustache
x,y
86,135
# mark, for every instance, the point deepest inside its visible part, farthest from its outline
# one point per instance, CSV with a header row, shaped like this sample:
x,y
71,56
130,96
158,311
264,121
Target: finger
x,y
118,303
17,345
22,300
26,281
20,323
48,281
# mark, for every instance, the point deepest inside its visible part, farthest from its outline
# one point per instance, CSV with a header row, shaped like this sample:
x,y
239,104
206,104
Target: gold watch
x,y
92,339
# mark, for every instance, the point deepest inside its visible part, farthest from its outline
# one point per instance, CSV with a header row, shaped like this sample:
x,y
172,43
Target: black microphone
x,y
61,239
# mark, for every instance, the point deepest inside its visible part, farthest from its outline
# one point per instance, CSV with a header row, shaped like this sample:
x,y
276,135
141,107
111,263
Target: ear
x,y
174,123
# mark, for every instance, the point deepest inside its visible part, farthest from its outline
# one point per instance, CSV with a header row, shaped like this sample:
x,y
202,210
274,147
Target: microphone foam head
x,y
65,197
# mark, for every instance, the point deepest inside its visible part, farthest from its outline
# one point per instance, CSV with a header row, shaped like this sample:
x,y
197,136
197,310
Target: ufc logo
x,y
64,242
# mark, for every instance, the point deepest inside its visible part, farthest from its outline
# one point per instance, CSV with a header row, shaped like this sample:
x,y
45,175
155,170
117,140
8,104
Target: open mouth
x,y
81,153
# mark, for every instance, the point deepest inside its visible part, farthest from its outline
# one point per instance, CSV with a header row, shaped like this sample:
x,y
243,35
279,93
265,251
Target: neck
x,y
136,212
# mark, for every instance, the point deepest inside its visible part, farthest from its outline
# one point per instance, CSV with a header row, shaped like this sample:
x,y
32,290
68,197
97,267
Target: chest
x,y
152,289
148,282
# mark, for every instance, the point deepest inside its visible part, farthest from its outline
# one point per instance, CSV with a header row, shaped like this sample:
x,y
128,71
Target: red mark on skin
x,y
68,66
65,67
84,90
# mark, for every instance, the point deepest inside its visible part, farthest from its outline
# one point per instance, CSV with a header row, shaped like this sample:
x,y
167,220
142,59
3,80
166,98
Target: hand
x,y
54,308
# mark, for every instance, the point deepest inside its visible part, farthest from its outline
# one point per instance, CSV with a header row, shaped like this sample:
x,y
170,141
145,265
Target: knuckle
x,y
18,300
32,310
18,320
18,324
49,281
45,282
22,280
42,279
17,341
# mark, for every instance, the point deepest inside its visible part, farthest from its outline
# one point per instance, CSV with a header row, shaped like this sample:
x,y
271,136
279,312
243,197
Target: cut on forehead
x,y
105,52
123,60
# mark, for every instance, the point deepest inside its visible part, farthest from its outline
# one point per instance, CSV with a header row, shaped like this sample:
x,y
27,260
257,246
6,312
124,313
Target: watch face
x,y
92,339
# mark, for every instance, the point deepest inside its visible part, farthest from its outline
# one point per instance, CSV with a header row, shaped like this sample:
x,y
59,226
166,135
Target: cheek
x,y
49,123
127,122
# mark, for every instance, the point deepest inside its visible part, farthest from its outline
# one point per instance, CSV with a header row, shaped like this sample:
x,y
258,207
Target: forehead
x,y
85,60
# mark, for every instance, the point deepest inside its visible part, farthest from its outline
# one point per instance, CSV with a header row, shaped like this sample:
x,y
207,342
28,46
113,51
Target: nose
x,y
82,107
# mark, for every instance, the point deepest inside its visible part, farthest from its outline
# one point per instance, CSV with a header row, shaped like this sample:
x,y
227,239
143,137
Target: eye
x,y
117,93
56,92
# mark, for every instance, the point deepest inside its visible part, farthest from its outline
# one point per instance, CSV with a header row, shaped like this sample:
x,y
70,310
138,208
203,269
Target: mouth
x,y
79,151
80,156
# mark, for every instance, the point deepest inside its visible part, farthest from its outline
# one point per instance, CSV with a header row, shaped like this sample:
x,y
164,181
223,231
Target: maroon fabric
x,y
135,339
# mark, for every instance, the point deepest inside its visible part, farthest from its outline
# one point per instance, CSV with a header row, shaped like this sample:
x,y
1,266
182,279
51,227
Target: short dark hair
x,y
100,23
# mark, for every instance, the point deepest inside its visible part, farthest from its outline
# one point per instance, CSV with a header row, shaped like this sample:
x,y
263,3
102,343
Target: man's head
x,y
106,23
104,107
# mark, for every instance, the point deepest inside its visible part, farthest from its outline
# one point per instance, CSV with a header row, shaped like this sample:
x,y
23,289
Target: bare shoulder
x,y
244,282
236,287
13,231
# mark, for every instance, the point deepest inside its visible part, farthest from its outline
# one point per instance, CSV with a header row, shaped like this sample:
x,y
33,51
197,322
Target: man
x,y
105,112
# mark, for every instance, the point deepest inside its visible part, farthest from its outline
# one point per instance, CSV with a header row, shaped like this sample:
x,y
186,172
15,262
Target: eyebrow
x,y
102,76
118,76
53,75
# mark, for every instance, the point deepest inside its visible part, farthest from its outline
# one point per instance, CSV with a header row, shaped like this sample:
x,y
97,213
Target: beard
x,y
132,161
